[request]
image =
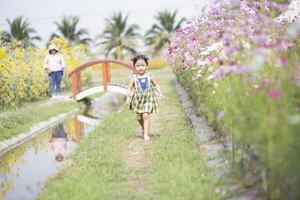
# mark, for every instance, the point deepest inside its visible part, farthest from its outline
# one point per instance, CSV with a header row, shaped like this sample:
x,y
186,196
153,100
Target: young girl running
x,y
141,95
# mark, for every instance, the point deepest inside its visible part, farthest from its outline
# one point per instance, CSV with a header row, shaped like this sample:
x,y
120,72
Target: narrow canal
x,y
24,170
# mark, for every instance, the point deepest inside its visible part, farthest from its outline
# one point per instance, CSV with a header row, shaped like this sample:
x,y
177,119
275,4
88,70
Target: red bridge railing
x,y
75,75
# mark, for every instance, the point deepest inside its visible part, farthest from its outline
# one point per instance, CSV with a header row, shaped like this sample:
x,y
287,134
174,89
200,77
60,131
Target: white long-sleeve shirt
x,y
54,63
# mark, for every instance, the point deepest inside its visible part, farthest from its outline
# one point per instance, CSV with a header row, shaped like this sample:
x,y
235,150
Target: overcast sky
x,y
42,13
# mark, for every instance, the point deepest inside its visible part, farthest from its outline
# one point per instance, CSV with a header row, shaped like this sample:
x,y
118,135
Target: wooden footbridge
x,y
75,76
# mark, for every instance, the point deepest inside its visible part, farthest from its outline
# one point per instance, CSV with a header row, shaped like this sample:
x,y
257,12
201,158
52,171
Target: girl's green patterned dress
x,y
144,98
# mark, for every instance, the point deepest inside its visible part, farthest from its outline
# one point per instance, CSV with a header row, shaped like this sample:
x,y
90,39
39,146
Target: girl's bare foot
x,y
146,138
140,133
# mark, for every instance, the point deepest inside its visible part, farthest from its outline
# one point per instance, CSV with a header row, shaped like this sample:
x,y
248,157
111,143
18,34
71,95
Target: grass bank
x,y
17,120
112,163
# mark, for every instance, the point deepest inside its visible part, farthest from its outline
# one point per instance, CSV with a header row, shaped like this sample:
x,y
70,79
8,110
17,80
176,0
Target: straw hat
x,y
52,46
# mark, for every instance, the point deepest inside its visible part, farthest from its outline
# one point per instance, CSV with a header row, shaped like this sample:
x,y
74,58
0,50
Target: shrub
x,y
242,69
22,75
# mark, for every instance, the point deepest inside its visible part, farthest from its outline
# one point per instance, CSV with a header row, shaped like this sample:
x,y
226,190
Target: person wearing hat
x,y
54,65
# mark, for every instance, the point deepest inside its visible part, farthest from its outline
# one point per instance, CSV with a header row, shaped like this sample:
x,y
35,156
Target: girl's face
x,y
52,51
141,66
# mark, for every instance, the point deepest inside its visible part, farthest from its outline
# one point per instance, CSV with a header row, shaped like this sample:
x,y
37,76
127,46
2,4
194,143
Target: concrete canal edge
x,y
205,135
213,149
19,139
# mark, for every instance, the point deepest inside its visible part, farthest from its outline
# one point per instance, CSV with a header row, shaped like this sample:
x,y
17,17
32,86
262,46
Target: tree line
x,y
118,36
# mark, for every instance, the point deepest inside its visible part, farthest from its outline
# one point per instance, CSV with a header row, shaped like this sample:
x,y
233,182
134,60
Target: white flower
x,y
210,69
210,77
258,62
294,119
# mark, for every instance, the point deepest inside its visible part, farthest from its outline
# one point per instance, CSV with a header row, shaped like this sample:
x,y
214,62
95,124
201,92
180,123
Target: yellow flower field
x,y
22,76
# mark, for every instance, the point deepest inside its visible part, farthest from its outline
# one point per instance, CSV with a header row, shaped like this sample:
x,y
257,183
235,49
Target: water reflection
x,y
58,142
24,170
78,130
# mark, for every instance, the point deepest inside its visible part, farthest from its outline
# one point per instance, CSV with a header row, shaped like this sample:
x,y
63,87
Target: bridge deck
x,y
110,87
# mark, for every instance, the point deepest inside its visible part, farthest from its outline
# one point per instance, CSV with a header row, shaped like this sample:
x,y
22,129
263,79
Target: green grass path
x,y
112,163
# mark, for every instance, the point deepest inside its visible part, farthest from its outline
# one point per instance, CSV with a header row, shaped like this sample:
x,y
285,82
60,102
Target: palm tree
x,y
118,37
5,38
20,31
159,35
68,29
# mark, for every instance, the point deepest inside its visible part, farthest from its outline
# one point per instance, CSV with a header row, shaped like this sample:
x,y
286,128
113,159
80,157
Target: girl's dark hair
x,y
51,50
138,57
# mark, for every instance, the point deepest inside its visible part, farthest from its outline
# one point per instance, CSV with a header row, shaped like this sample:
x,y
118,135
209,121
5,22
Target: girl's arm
x,y
129,91
154,82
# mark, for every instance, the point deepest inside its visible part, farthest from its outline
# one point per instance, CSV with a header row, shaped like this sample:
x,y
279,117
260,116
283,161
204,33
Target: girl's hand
x,y
161,97
64,72
128,100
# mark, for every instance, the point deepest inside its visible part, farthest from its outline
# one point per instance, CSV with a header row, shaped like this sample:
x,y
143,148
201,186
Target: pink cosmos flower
x,y
194,37
260,39
230,50
274,94
282,60
220,115
200,63
189,58
241,70
265,83
279,7
210,58
194,78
